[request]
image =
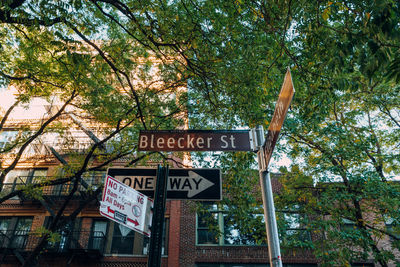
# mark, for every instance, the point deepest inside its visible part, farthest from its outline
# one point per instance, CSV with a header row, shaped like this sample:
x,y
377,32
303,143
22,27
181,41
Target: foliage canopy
x,y
342,132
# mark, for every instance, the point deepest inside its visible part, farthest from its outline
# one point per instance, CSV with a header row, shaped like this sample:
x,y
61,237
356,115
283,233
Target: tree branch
x,y
33,137
9,110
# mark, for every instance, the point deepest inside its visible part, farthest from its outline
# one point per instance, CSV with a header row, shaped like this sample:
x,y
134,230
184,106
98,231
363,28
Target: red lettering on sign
x,y
112,184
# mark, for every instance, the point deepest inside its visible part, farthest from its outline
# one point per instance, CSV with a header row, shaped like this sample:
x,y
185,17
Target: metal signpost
x,y
126,206
193,184
264,153
157,225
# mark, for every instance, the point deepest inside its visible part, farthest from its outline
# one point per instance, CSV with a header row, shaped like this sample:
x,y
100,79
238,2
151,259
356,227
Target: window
x,y
21,232
164,244
68,236
349,227
392,227
255,230
25,176
113,238
7,137
94,178
37,175
208,226
91,180
21,177
98,234
71,141
123,240
14,231
217,226
13,176
294,232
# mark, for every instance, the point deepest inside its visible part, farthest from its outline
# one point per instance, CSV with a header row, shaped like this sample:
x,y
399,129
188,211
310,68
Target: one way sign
x,y
193,184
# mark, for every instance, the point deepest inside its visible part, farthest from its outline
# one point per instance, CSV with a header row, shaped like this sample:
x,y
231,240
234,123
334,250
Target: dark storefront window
x,y
122,240
113,238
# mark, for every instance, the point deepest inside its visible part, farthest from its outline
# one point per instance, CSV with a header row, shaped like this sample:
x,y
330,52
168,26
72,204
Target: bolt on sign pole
x,y
264,152
157,226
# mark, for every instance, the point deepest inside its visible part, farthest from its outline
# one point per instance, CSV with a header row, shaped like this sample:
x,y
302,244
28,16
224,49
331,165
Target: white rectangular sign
x,y
126,206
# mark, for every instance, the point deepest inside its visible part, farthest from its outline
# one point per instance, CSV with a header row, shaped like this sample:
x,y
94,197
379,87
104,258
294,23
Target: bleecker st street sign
x,y
195,140
193,184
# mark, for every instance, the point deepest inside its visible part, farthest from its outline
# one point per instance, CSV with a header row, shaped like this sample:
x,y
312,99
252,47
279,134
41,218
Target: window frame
x,y
7,136
391,223
92,234
221,233
11,234
296,228
140,242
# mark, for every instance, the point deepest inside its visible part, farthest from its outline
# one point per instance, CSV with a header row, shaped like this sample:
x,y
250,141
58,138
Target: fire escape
x,y
88,245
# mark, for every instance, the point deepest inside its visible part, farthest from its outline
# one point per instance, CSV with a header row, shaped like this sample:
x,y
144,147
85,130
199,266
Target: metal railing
x,y
72,240
51,190
75,147
42,149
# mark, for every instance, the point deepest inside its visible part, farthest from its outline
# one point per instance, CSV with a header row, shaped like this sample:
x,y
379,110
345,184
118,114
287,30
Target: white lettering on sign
x,y
225,143
171,142
189,142
124,205
180,140
200,142
143,141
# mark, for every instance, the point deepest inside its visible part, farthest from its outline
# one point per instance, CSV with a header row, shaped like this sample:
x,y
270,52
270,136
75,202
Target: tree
x,y
345,129
342,129
343,126
102,72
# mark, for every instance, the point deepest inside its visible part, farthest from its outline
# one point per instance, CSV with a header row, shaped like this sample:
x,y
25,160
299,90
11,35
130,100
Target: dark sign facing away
x,y
281,108
193,184
195,140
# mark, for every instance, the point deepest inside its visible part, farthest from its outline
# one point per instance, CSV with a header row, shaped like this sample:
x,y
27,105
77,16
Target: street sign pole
x,y
264,150
157,226
268,202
